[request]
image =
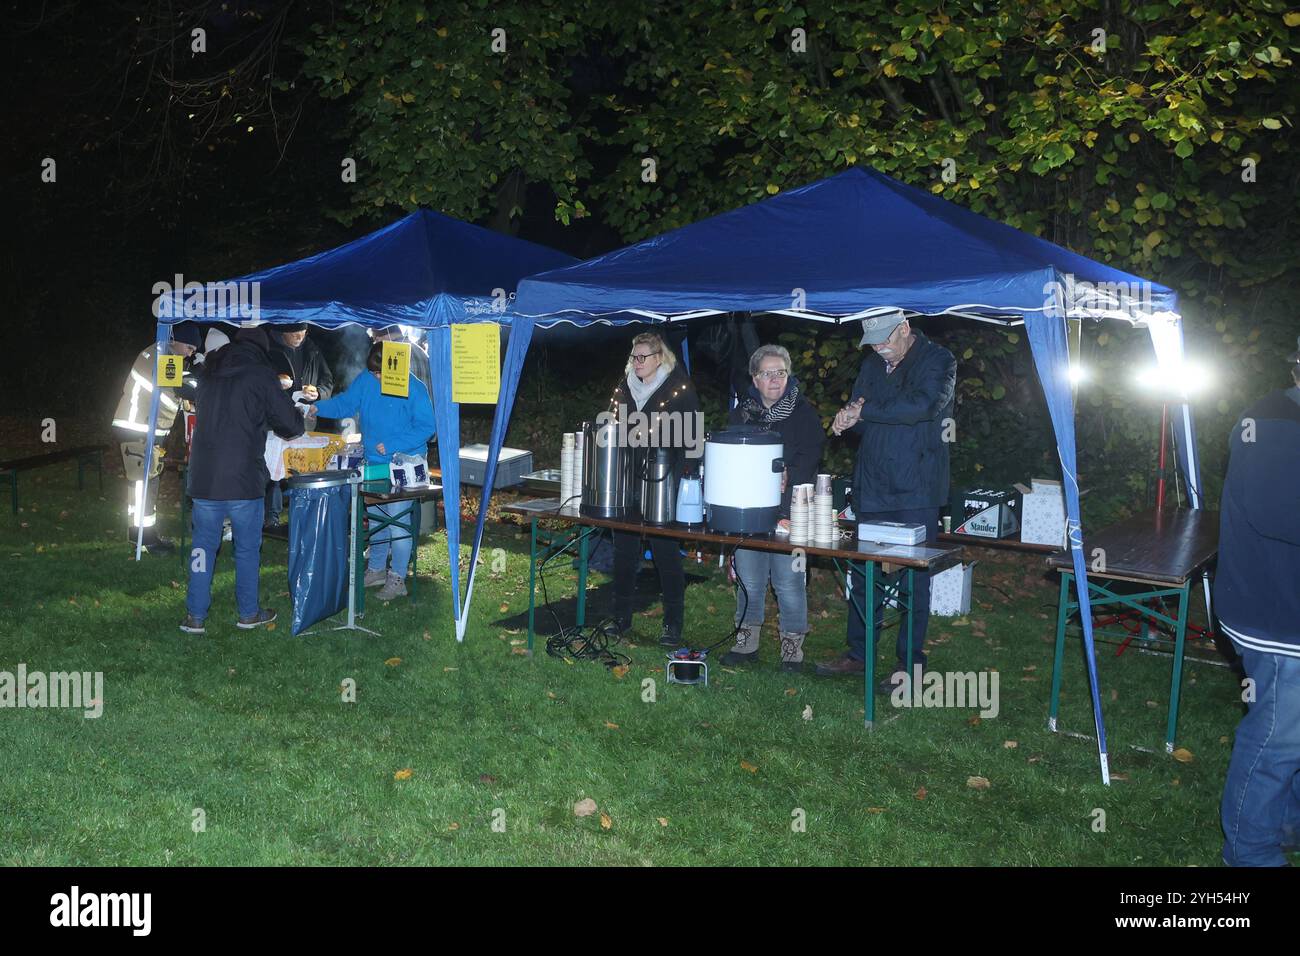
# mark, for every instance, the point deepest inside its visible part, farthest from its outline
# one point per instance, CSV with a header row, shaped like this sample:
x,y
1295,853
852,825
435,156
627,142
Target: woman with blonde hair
x,y
654,384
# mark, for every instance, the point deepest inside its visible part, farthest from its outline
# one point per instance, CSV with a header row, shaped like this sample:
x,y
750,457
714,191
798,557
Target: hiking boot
x,y
395,587
263,616
844,664
745,650
376,579
792,652
192,625
670,637
900,678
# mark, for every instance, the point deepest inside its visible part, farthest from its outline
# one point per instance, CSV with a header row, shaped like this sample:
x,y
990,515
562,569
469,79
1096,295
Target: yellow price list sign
x,y
476,363
395,369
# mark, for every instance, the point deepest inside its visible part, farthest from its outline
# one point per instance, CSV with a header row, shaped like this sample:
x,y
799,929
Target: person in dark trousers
x,y
776,402
1257,595
239,400
295,356
654,384
900,408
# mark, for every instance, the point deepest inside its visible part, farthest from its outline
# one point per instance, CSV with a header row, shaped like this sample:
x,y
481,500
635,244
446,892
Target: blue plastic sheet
x,y
318,553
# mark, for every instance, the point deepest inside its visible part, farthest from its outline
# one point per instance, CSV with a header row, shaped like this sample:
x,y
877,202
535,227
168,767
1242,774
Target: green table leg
x,y
869,576
1176,690
582,576
911,602
1062,614
415,545
359,546
532,580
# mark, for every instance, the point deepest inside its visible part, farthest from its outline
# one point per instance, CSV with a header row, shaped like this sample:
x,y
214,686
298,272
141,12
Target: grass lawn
x,y
250,727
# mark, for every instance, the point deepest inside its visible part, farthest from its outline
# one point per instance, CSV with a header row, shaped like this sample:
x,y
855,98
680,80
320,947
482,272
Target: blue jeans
x,y
382,542
920,598
1261,797
246,525
754,568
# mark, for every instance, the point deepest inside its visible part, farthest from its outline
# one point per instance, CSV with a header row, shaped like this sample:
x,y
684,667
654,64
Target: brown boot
x,y
842,665
792,651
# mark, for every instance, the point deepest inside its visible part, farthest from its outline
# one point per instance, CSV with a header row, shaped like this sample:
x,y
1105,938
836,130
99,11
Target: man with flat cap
x,y
900,410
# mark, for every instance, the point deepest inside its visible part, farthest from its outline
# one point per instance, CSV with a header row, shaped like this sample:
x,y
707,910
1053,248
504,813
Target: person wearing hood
x,y
131,427
239,400
776,402
389,424
302,369
654,384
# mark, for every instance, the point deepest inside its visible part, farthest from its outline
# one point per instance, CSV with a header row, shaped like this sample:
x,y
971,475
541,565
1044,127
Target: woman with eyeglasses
x,y
776,402
653,383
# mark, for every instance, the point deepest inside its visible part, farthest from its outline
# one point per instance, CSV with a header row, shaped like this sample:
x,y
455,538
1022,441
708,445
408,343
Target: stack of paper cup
x,y
566,468
800,515
578,450
825,528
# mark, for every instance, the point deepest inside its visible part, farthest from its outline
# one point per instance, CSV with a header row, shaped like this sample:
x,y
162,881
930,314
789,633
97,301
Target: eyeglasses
x,y
640,359
774,373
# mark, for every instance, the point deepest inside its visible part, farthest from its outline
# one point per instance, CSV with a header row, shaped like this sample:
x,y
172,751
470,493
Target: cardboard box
x,y
950,591
1042,518
986,512
312,452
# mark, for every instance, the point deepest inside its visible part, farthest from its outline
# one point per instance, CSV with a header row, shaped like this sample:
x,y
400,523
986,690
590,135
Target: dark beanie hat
x,y
187,333
293,327
255,334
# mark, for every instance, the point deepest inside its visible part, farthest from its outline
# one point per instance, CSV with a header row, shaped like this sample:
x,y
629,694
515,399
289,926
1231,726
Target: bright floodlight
x,y
1077,373
1187,378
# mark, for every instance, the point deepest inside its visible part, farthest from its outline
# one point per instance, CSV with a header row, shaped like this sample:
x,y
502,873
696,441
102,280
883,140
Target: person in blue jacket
x,y
389,425
1257,595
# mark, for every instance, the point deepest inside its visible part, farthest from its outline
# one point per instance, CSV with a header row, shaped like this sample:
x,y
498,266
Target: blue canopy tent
x,y
426,270
857,244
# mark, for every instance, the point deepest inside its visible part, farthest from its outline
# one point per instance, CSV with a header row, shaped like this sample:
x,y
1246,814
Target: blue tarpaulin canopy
x,y
848,247
426,270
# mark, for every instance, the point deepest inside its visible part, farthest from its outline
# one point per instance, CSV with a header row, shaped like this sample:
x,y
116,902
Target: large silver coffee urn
x,y
658,487
606,472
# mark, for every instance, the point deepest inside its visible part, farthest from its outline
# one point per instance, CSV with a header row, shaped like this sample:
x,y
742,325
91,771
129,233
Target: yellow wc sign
x,y
169,370
395,369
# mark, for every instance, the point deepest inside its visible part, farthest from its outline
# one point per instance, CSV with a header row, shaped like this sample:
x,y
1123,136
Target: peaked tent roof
x,y
425,270
856,242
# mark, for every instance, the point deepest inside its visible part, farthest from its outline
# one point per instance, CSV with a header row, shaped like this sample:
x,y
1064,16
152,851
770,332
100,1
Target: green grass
x,y
250,727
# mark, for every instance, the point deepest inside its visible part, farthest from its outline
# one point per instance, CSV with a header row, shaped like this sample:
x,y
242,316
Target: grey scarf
x,y
759,414
641,391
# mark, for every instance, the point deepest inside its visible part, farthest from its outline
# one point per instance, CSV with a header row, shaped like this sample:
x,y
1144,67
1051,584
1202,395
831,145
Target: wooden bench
x,y
85,455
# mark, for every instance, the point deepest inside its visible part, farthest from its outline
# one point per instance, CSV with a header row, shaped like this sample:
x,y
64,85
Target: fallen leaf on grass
x,y
551,694
807,712
271,626
619,672
1151,703
1010,744
1119,776
486,778
446,669
978,783
960,622
1031,667
1223,739
611,726
403,774
663,821
517,641
975,721
393,661
746,765
605,821
1175,782
176,584
711,609
584,807
877,810
504,607
453,826
790,692
428,636
920,793
1183,755
523,651
1114,694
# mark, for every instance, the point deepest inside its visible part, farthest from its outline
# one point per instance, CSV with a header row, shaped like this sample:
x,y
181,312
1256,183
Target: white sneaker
x,y
375,578
395,588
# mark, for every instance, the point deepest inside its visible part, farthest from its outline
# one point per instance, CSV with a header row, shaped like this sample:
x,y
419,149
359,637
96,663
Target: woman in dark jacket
x,y
655,385
775,401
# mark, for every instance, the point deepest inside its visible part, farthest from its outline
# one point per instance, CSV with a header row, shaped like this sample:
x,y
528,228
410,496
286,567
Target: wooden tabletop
x,y
928,558
1150,548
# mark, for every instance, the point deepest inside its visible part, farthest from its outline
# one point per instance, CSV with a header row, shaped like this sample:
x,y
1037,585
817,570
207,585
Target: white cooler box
x,y
950,591
512,465
1042,513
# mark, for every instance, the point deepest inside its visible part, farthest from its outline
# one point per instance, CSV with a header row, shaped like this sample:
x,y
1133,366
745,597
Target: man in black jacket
x,y
295,355
1257,595
239,401
901,409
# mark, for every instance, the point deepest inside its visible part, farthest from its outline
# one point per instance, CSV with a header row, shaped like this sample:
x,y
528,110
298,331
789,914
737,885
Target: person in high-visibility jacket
x,y
131,428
